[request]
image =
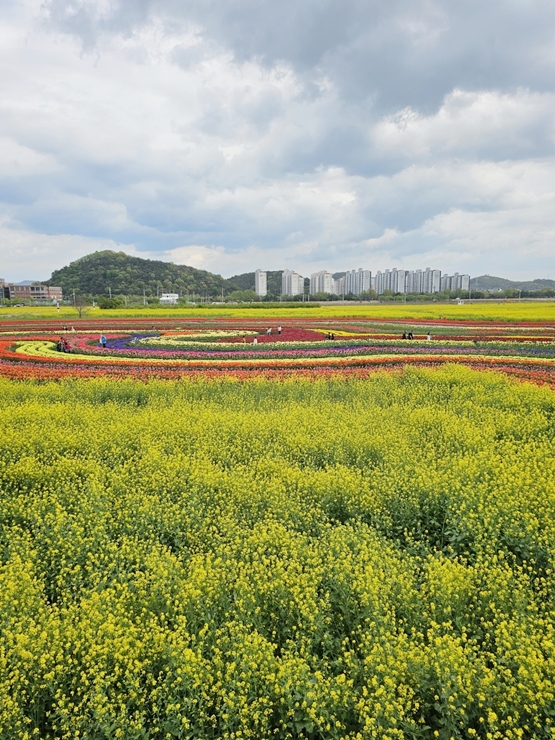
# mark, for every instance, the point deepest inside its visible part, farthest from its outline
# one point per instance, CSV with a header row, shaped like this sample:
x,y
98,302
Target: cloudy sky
x,y
235,134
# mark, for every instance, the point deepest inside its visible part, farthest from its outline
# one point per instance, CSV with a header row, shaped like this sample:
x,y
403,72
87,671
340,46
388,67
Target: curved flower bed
x,y
247,350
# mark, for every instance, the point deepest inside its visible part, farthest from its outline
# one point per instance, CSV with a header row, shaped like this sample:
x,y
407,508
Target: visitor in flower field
x,y
103,341
404,335
411,335
428,336
269,330
255,340
279,329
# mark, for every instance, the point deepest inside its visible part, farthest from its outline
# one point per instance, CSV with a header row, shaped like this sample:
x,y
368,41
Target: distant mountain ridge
x,y
490,282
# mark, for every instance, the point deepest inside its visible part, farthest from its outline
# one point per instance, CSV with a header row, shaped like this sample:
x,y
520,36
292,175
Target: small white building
x,y
169,299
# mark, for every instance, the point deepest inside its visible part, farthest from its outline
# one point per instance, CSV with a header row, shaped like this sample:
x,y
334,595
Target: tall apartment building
x,y
339,286
414,281
261,283
321,282
418,281
431,281
455,282
358,281
394,280
292,283
398,281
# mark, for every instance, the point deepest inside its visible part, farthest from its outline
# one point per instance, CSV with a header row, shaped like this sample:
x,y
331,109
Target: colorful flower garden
x,y
357,543
172,348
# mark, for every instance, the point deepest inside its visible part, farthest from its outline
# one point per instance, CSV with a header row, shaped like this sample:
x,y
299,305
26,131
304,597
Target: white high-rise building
x,y
292,283
418,281
339,286
398,281
414,281
358,281
261,283
431,281
455,282
321,282
460,282
394,280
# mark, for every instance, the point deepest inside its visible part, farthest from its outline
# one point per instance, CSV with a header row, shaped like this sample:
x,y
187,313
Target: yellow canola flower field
x,y
486,310
352,559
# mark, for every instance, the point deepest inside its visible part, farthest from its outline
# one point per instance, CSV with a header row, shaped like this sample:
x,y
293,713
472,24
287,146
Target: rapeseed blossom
x,y
335,556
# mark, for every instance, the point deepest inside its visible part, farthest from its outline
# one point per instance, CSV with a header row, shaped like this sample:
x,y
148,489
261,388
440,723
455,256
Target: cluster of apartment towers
x,y
357,282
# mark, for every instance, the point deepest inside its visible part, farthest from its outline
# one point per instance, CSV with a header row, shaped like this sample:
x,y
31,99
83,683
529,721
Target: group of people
x,y
255,339
330,335
410,335
62,345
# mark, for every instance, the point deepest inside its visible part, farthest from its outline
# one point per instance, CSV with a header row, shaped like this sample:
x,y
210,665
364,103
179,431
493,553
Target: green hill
x,y
102,273
492,283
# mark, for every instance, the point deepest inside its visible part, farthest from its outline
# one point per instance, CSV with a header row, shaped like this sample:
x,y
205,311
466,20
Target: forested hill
x,y
103,272
490,282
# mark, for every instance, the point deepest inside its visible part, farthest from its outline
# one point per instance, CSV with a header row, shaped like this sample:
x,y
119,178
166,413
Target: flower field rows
x,y
324,557
357,543
165,348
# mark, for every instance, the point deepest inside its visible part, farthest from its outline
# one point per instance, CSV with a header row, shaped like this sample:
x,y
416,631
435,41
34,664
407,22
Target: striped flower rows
x,y
243,349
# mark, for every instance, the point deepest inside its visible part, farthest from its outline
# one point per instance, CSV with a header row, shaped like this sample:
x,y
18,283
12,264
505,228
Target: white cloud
x,y
373,138
28,255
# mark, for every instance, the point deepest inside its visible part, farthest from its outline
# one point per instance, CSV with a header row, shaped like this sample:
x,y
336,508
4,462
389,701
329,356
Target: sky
x,y
231,135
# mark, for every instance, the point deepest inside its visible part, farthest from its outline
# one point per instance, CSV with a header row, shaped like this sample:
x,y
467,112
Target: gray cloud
x,y
397,53
316,134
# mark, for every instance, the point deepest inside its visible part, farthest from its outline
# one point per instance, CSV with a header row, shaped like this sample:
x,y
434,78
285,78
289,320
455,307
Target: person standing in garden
x,y
103,341
279,329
